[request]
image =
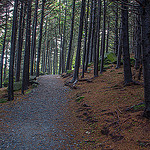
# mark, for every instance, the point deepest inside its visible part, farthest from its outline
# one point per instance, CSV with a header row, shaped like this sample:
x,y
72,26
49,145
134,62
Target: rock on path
x,y
37,121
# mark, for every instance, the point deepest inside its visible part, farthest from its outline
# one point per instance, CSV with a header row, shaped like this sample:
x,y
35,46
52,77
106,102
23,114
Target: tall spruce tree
x,y
12,53
25,78
125,38
40,39
77,62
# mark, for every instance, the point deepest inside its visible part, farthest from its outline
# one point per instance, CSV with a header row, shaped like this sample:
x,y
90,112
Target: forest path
x,y
38,120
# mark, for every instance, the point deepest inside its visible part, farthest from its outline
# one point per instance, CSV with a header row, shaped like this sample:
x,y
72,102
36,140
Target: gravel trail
x,y
38,121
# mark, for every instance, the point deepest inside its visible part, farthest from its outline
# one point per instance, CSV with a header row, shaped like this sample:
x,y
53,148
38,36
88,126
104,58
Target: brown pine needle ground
x,y
105,118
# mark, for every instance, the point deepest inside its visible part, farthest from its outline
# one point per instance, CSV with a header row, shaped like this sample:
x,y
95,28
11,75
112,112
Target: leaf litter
x,y
114,119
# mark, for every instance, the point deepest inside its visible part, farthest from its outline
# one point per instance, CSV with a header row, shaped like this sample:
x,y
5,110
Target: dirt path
x,y
38,120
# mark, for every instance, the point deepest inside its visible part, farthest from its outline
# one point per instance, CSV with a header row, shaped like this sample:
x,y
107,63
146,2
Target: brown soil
x,y
103,115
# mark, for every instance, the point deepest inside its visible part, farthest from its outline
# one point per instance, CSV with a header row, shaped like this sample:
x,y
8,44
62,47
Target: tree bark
x,y
3,51
138,40
98,38
107,41
85,39
25,79
89,38
95,40
40,39
12,53
103,38
146,53
5,66
33,47
116,30
119,48
63,43
77,62
92,35
126,54
20,40
71,37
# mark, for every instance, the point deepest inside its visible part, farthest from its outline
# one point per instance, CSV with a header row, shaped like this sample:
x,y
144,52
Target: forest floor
x,y
98,115
109,113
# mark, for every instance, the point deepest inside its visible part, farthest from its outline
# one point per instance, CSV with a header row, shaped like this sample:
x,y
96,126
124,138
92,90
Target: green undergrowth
x,y
79,98
2,100
69,71
28,91
138,107
111,58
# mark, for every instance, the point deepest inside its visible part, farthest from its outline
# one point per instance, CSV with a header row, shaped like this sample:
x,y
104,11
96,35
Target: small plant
x,y
132,61
79,98
34,85
69,71
41,73
3,100
112,70
139,106
90,64
29,91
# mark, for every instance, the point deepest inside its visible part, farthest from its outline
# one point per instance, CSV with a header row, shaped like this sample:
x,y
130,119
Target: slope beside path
x,y
38,120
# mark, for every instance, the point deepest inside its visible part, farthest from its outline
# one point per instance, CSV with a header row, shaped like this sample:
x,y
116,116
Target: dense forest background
x,y
55,37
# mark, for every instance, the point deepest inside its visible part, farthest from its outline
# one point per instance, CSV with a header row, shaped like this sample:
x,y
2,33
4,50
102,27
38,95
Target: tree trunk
x,y
77,62
92,35
12,53
146,54
47,50
72,55
56,50
107,41
116,30
33,46
138,40
50,59
95,40
63,44
3,51
25,79
44,50
103,38
20,40
5,66
119,48
126,54
60,56
85,39
71,37
60,35
40,39
54,59
98,38
89,37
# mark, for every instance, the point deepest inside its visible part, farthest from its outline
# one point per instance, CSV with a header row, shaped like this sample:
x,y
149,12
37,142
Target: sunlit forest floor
x,y
109,113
